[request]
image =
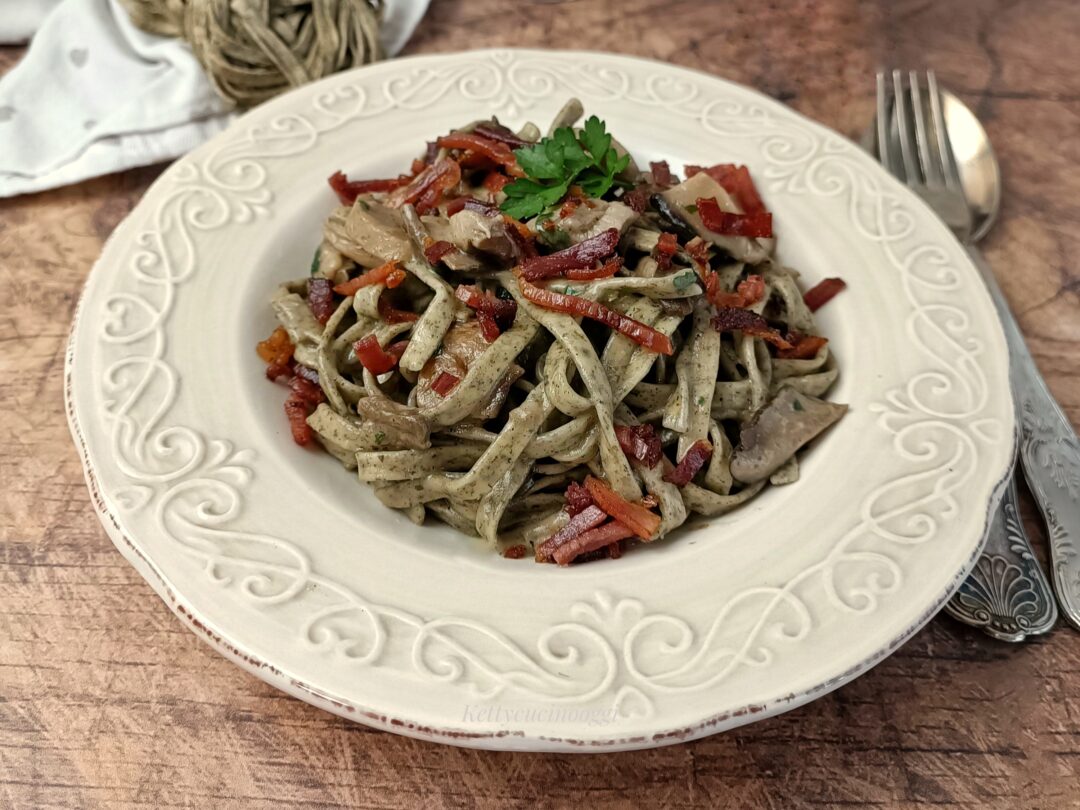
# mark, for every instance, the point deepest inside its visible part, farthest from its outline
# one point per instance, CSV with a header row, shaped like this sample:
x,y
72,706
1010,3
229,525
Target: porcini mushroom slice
x,y
784,425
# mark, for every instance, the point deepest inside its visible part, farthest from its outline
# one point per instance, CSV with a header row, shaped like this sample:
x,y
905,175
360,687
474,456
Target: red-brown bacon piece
x,y
320,299
749,292
578,499
607,536
822,293
374,358
495,181
426,189
696,457
640,443
728,319
435,251
736,181
495,151
666,247
497,132
606,270
495,315
590,517
576,257
445,383
803,347
521,238
389,274
471,204
516,552
727,224
637,199
276,349
634,516
661,174
348,190
302,400
581,307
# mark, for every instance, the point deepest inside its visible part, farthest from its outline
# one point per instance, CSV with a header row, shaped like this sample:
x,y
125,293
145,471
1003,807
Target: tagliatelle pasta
x,y
545,347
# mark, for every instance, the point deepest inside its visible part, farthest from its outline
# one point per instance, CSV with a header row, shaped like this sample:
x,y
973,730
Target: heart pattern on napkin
x,y
78,56
6,113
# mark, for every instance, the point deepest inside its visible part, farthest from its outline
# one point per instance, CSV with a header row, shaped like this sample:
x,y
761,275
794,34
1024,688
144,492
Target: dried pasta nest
x,y
254,49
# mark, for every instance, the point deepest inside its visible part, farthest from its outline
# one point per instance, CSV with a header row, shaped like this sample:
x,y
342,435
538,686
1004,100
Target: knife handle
x,y
1049,454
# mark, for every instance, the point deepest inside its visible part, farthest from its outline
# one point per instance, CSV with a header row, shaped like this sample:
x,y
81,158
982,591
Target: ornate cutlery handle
x,y
1050,454
1006,594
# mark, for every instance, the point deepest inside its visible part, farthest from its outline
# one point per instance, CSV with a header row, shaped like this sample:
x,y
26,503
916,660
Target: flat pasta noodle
x,y
518,357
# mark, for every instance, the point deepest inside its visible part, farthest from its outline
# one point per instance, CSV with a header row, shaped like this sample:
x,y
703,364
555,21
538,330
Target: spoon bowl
x,y
976,162
973,155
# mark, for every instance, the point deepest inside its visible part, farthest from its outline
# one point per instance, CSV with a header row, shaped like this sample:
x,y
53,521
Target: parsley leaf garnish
x,y
557,162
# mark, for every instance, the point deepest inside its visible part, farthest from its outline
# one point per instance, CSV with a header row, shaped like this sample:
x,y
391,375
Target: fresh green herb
x,y
379,437
564,159
700,402
363,204
691,208
556,238
797,405
315,262
684,280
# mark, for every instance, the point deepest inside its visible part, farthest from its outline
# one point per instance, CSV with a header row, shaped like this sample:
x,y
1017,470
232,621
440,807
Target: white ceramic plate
x,y
278,558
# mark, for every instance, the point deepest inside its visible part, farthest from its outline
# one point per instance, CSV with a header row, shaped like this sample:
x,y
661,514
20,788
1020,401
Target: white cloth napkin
x,y
94,94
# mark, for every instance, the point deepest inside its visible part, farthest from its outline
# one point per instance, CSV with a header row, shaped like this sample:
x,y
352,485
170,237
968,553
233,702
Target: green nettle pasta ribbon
x,y
459,377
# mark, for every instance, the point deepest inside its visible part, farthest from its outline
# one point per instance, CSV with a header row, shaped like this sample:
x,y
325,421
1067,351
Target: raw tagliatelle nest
x,y
252,51
544,346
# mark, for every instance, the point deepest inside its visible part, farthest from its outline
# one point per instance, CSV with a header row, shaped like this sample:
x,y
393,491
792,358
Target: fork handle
x,y
1049,453
1006,594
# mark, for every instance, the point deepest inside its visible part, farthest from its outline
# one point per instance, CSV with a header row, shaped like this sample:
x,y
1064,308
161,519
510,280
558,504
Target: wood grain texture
x,y
107,701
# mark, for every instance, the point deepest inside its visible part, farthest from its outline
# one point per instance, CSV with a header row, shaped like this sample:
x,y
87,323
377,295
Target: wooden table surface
x,y
106,700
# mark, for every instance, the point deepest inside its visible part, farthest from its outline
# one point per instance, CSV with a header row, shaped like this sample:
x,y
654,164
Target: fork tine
x,y
950,172
903,126
930,161
884,156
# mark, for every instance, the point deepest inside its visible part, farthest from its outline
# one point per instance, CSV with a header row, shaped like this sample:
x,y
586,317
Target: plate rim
x,y
518,739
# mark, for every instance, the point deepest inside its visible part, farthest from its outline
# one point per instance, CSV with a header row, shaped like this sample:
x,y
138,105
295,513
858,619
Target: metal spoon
x,y
1049,449
1006,594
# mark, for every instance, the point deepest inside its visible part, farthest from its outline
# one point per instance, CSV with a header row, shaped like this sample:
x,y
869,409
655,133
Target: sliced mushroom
x,y
687,193
784,425
378,232
402,426
643,239
331,263
294,314
473,230
594,217
438,228
461,347
631,172
571,111
529,132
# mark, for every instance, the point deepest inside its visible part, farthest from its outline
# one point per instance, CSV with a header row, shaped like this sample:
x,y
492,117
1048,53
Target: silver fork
x,y
1006,594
